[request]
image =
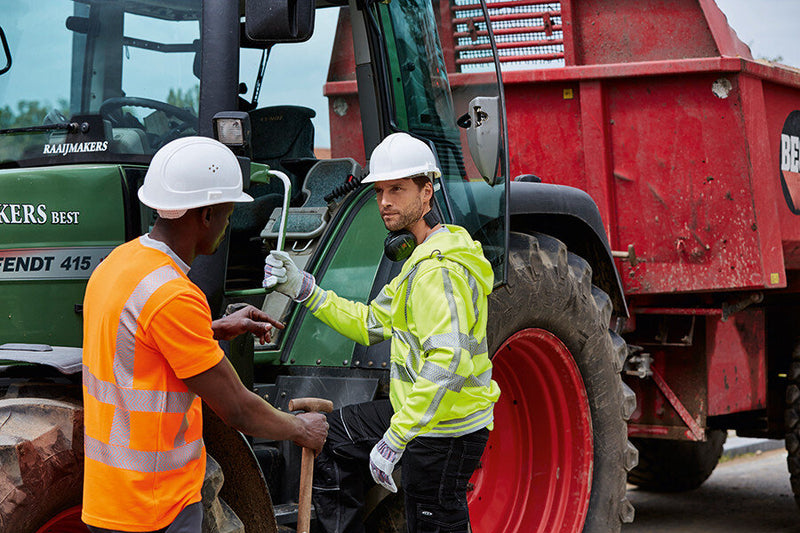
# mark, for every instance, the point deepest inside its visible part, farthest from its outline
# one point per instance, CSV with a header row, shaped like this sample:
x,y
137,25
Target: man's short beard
x,y
408,218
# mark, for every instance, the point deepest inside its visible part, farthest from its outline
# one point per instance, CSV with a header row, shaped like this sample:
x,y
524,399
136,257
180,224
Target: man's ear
x,y
206,214
428,191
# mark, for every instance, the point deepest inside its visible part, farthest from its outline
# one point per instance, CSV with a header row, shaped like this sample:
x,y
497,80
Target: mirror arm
x,y
7,52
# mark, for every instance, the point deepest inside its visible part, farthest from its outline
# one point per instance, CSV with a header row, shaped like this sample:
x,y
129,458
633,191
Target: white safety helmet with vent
x,y
192,172
401,156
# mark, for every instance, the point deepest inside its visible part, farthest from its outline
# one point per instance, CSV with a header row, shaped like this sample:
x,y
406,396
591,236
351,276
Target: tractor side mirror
x,y
482,122
279,21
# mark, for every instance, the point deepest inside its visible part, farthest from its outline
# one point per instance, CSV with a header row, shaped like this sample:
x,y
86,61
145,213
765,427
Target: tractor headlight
x,y
232,128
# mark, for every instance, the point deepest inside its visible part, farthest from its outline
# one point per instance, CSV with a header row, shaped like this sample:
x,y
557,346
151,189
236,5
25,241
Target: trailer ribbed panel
x,y
528,33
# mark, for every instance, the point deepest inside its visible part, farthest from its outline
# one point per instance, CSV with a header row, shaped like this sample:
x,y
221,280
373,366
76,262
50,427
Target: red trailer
x,y
691,150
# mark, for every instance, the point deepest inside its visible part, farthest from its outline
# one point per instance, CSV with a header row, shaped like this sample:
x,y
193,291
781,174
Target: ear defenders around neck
x,y
399,244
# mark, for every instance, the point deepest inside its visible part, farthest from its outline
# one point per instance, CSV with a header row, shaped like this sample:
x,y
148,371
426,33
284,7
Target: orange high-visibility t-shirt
x,y
146,328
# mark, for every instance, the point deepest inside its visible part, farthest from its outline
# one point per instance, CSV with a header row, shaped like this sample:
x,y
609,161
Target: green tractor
x,y
90,89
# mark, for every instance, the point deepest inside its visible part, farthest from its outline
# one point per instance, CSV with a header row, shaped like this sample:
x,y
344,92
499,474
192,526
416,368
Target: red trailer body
x,y
691,150
678,140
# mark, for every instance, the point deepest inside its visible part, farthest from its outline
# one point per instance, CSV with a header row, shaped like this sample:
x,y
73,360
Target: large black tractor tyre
x,y
793,423
558,457
676,466
41,470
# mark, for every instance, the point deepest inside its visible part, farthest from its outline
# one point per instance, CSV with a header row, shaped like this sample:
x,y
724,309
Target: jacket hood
x,y
457,245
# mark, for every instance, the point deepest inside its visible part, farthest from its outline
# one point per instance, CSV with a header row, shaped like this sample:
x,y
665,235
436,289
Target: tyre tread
x,y
555,285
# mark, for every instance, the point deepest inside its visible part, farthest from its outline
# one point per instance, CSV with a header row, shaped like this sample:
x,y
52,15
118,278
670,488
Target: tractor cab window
x,y
426,104
123,72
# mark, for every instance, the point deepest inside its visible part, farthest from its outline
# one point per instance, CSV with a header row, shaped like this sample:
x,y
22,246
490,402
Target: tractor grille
x,y
528,34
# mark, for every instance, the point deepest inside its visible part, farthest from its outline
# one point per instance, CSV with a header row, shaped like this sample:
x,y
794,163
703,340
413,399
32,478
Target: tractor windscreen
x,y
97,80
426,103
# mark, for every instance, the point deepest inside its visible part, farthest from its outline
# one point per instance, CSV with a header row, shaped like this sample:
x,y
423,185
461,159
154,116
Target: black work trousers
x,y
435,473
189,520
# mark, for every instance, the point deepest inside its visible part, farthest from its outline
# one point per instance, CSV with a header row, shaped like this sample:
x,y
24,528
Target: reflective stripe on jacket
x,y
146,327
434,311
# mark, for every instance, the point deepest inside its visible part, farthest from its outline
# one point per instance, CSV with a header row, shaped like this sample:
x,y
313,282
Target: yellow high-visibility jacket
x,y
435,313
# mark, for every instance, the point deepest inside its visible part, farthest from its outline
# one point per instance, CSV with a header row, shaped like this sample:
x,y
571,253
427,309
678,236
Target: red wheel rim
x,y
536,472
68,521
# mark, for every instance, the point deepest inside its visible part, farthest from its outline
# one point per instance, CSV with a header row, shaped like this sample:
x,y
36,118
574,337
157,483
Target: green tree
x,y
188,99
28,113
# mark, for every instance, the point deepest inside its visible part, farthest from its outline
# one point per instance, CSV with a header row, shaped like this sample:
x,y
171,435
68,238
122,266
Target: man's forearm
x,y
258,418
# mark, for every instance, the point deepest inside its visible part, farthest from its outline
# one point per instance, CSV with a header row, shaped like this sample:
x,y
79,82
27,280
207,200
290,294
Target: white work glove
x,y
281,273
382,459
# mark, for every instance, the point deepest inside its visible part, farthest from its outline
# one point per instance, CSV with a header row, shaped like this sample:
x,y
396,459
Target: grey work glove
x,y
281,273
382,459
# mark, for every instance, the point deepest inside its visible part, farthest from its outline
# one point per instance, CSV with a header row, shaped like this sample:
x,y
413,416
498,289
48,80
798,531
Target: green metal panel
x,y
56,225
350,275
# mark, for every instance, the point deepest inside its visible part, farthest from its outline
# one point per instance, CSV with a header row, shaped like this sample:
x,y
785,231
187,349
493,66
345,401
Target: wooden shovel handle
x,y
319,405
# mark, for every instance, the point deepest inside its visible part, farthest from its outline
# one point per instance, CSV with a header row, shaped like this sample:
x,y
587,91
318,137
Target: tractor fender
x,y
65,359
571,216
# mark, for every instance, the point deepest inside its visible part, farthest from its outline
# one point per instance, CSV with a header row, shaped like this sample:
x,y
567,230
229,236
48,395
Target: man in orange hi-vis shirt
x,y
150,354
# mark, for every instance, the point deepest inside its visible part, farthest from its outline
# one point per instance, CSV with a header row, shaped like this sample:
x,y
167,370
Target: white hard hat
x,y
401,156
192,172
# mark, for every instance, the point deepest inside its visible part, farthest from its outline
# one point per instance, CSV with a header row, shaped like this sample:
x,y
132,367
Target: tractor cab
x,y
107,83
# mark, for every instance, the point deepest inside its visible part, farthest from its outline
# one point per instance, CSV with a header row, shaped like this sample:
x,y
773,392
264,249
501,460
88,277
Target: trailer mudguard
x,y
571,216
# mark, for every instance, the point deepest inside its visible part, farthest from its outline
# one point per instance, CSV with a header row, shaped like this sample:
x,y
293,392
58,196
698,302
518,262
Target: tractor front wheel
x,y
558,456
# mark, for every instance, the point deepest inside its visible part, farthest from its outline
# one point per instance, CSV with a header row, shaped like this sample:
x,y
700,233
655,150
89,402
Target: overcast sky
x,y
769,27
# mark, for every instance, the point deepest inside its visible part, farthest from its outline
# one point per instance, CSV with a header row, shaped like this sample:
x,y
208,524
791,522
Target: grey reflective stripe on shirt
x,y
143,401
462,426
455,361
482,380
375,328
180,436
317,298
400,372
453,340
128,322
409,279
139,461
441,377
126,399
414,351
126,343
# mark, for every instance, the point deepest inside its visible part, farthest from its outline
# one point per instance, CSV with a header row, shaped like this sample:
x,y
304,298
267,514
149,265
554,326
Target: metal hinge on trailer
x,y
638,362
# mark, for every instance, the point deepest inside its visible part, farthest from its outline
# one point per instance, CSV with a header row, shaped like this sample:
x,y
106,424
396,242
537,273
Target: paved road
x,y
749,494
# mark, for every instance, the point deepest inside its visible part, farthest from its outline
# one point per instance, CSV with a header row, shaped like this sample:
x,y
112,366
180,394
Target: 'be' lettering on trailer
x,y
790,153
790,161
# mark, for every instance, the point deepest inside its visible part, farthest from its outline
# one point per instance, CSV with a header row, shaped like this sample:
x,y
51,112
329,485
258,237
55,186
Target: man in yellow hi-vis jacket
x,y
442,394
